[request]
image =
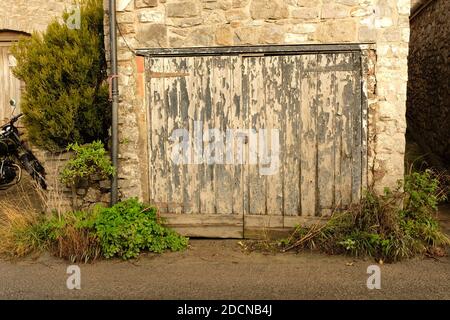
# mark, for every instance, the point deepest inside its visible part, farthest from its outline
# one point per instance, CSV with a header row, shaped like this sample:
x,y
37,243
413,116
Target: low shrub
x,y
64,69
123,230
392,226
130,227
88,159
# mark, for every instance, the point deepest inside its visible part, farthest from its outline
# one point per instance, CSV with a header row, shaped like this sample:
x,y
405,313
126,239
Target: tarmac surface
x,y
220,269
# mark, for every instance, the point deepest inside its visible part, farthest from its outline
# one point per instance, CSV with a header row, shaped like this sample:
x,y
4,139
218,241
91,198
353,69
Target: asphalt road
x,y
219,269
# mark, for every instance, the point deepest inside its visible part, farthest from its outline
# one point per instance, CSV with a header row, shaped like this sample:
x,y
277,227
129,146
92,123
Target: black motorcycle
x,y
15,156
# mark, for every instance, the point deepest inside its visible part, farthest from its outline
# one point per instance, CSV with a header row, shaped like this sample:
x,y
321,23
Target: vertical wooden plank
x,y
364,68
291,97
345,96
185,120
223,120
256,103
245,120
338,136
357,130
237,118
308,147
273,88
5,83
325,133
206,171
191,172
174,121
2,87
158,137
14,84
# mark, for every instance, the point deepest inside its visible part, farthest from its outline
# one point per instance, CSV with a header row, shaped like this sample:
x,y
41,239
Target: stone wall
x,y
428,109
59,196
30,15
191,23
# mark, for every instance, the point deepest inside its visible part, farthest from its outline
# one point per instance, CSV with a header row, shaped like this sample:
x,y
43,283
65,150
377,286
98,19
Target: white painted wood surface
x,y
314,100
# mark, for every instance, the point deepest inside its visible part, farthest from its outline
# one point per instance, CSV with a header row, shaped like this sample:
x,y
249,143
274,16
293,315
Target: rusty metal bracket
x,y
110,84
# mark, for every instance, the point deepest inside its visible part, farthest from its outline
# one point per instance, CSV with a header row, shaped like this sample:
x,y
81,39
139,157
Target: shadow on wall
x,y
428,107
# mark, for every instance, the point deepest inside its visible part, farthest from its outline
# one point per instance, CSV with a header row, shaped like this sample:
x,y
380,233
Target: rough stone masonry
x,y
428,87
193,23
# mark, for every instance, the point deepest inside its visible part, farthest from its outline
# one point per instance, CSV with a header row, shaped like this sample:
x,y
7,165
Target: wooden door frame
x,y
7,39
362,49
11,35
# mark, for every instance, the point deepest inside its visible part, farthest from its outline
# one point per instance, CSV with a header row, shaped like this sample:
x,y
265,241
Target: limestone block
x,y
240,3
337,31
217,4
304,28
145,3
403,7
185,22
224,36
349,2
361,12
215,17
93,195
201,36
152,35
367,34
334,11
268,9
151,16
236,14
272,35
303,3
183,9
295,38
246,35
305,13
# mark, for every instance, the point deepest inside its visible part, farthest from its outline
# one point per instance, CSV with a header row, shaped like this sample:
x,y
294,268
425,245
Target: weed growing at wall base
x,y
389,227
124,230
130,227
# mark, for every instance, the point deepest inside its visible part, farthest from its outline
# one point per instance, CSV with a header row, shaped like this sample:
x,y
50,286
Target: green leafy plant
x,y
88,159
130,227
66,96
124,230
392,226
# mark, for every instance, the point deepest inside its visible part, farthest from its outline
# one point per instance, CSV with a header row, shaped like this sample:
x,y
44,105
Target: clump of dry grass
x,y
72,239
76,245
20,233
25,231
33,220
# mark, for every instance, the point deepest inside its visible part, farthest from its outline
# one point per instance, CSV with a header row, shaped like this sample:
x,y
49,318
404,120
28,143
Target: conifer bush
x,y
64,70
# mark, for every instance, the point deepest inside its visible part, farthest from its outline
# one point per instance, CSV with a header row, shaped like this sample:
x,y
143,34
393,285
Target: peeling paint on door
x,y
312,99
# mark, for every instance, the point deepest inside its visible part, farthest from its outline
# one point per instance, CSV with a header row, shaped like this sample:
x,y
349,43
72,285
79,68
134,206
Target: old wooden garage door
x,y
245,143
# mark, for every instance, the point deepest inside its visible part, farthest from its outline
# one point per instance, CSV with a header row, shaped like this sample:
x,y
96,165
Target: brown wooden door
x,y
308,104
